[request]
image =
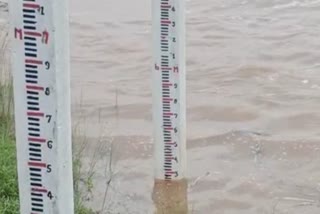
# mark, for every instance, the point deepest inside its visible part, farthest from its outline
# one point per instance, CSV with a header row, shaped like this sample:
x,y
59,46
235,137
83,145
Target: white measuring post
x,y
40,63
169,105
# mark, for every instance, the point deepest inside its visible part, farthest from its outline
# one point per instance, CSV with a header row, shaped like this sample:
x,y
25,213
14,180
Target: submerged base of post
x,y
170,197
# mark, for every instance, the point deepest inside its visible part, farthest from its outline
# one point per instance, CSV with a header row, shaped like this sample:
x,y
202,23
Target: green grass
x,y
9,197
78,194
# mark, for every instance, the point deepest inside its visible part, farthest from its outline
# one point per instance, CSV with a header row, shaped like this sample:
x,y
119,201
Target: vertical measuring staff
x,y
169,106
40,63
169,89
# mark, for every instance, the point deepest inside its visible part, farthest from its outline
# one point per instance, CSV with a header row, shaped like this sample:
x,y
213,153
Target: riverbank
x,y
9,196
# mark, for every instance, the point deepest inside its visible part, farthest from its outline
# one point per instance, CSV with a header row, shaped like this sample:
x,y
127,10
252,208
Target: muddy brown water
x,y
253,87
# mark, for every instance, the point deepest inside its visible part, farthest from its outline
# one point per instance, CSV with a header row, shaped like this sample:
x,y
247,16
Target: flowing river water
x,y
253,109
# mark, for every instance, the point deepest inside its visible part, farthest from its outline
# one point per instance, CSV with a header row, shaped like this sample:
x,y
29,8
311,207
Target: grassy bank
x,y
9,198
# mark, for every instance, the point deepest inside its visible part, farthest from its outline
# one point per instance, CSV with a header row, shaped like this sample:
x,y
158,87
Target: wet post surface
x,y
40,63
170,196
169,106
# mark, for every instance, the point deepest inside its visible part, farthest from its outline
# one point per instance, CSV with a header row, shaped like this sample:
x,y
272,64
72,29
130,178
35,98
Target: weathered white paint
x,y
169,77
42,101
